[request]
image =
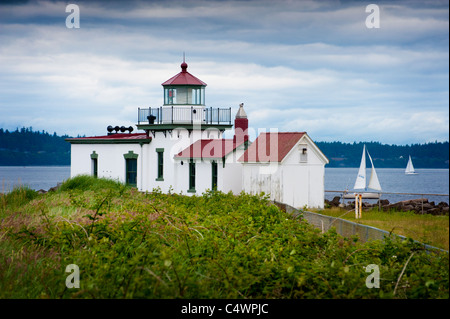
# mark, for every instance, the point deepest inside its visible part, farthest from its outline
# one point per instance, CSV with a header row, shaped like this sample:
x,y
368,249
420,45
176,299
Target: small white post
x,y
360,205
356,206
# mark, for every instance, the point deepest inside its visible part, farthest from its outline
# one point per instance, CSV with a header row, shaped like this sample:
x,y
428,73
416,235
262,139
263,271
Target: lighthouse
x,y
179,147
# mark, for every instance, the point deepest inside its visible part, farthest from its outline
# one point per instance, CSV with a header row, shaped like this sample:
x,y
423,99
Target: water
x,y
35,177
393,180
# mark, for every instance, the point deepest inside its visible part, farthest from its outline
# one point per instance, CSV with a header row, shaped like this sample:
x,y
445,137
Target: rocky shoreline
x,y
418,205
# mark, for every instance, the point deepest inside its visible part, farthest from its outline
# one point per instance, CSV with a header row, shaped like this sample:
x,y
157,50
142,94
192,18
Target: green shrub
x,y
19,196
128,244
86,182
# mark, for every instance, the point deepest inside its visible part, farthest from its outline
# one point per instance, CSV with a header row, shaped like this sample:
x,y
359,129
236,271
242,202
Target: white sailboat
x,y
360,183
410,168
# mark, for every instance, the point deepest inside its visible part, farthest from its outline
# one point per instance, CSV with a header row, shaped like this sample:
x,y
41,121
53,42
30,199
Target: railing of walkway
x,y
344,227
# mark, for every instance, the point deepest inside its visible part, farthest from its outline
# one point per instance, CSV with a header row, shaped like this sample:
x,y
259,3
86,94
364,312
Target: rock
x,y
41,191
416,201
419,206
335,201
434,211
442,204
383,202
55,188
406,208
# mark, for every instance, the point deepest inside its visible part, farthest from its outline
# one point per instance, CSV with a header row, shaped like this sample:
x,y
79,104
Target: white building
x,y
182,149
288,166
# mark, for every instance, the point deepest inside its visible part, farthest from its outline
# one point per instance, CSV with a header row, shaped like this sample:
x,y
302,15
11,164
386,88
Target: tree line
x,y
27,147
427,155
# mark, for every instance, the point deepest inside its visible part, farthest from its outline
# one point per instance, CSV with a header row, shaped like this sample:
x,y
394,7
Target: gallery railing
x,y
184,115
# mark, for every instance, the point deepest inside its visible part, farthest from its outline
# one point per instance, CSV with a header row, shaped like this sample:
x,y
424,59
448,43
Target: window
x,y
160,172
94,164
170,96
191,177
214,175
94,167
131,168
303,154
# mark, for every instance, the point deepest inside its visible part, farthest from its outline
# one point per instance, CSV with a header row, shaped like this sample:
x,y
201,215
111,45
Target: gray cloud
x,y
297,65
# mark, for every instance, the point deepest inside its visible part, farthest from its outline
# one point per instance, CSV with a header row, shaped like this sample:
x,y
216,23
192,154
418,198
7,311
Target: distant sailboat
x,y
410,168
360,183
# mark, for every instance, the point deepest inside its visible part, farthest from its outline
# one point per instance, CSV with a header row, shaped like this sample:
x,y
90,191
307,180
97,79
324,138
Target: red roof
x,y
271,147
184,78
212,148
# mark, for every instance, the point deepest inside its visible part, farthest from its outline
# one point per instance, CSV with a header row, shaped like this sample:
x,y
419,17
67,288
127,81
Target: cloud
x,y
297,65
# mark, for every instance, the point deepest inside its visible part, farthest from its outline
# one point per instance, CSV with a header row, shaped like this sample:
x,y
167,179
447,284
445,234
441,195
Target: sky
x,y
315,66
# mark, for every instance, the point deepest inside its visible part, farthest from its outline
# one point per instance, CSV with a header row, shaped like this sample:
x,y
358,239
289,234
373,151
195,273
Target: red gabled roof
x,y
271,147
184,78
210,148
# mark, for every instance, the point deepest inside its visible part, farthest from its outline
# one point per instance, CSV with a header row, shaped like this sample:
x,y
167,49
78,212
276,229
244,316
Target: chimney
x,y
240,126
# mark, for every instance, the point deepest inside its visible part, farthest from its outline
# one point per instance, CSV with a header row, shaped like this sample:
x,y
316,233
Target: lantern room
x,y
184,89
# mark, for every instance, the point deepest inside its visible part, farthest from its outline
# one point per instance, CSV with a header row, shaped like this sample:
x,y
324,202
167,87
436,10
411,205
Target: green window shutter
x,y
160,172
94,161
213,175
191,177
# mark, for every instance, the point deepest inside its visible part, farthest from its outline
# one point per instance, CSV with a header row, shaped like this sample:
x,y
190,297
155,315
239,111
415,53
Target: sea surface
x,y
35,177
392,180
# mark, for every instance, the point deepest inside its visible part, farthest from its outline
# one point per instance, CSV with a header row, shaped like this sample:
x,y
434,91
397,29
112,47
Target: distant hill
x,y
27,147
429,155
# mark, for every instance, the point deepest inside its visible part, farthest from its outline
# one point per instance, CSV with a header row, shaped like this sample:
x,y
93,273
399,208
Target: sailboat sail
x,y
409,167
360,182
374,183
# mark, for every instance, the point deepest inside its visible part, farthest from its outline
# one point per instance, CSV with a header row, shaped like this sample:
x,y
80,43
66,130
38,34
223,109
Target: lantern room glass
x,y
184,95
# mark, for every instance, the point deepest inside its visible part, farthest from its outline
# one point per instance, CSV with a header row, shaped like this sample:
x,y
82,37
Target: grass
x,y
426,228
130,244
88,183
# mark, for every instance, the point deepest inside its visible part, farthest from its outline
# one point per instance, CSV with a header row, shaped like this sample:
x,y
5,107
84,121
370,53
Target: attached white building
x,y
287,166
182,149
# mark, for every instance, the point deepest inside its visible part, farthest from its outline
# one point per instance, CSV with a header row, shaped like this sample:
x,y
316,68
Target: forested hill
x,y
27,147
429,155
